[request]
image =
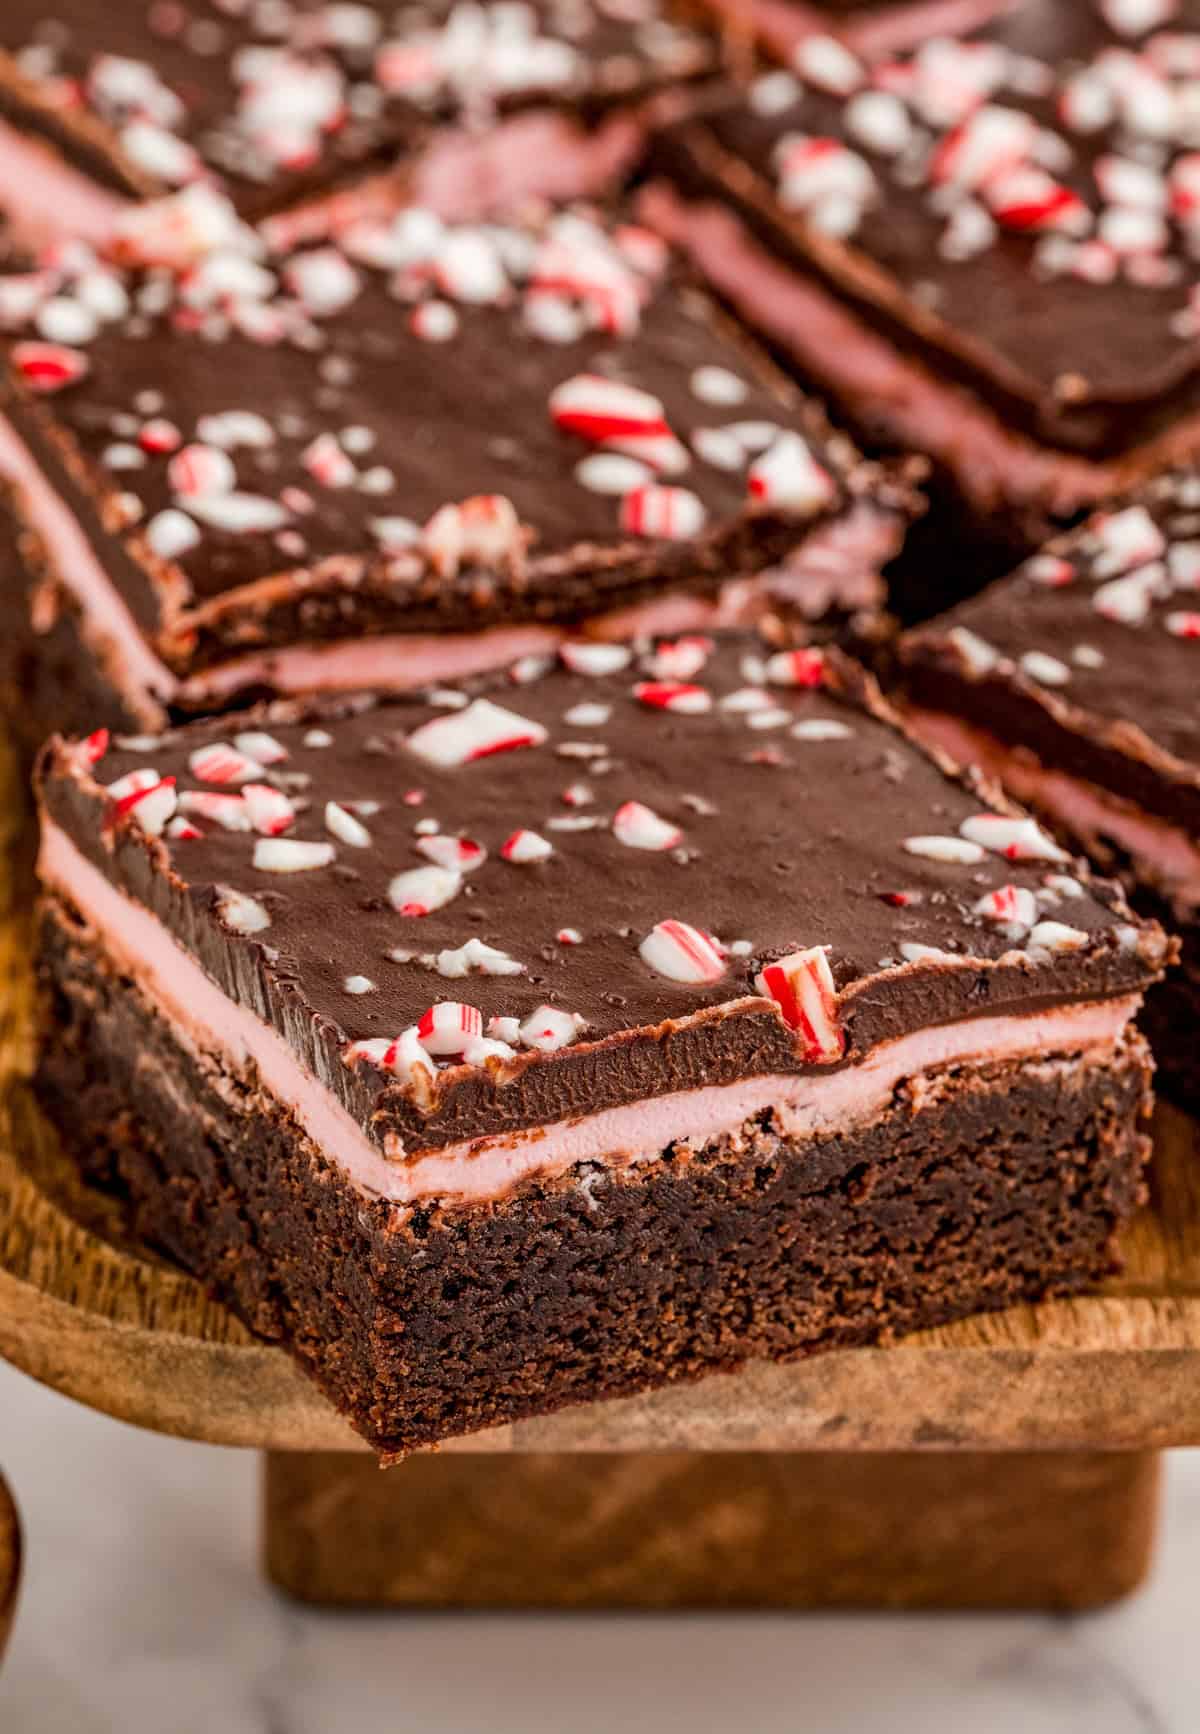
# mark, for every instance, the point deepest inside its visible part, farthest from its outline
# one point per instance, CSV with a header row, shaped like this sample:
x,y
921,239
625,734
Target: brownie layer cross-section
x,y
975,1190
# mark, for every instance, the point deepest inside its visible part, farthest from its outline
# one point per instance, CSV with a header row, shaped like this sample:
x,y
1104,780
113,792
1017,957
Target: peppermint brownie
x,y
106,105
574,1031
984,250
431,447
1076,682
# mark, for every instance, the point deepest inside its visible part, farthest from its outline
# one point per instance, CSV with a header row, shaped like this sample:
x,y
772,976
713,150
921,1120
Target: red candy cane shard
x,y
607,413
682,953
669,514
802,986
805,668
152,806
679,696
477,732
95,746
221,763
1009,904
48,367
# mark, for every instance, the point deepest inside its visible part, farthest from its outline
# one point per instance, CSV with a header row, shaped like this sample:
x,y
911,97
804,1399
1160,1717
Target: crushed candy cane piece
x,y
682,953
803,987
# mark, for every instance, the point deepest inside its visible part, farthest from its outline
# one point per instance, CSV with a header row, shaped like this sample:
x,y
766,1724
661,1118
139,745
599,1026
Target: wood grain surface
x,y
695,1529
10,1563
108,1324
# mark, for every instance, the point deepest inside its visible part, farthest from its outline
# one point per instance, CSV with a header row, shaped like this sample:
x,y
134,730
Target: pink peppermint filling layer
x,y
877,381
840,561
45,199
1164,854
490,1167
837,564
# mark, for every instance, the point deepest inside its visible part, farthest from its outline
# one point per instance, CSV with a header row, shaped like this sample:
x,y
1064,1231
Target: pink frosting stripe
x,y
119,642
837,562
1165,852
44,199
489,1167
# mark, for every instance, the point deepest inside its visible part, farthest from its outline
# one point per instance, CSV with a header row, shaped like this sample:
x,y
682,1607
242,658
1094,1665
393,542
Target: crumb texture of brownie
x,y
976,1189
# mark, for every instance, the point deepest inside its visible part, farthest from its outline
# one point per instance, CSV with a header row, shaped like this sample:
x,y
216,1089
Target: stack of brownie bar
x,y
984,250
492,930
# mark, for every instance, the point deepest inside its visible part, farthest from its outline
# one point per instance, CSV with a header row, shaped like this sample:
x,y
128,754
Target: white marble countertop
x,y
143,1613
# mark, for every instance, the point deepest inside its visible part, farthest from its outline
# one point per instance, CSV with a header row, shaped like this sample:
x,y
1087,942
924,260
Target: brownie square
x,y
280,104
432,446
984,249
1075,682
515,1045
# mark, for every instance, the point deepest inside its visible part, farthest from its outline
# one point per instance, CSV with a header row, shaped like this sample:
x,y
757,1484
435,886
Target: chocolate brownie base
x,y
976,1189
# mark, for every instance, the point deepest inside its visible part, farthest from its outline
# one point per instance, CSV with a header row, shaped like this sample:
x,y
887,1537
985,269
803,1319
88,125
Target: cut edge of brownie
x,y
973,1190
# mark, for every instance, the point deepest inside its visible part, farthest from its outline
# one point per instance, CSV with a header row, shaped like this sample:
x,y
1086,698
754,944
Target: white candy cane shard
x,y
171,533
241,912
951,849
483,1048
1046,670
802,986
483,530
640,827
1015,839
583,657
446,1028
423,889
681,953
374,1050
345,827
221,763
524,847
1012,905
264,749
271,813
457,853
679,658
608,413
227,811
788,477
477,732
549,1028
290,855
239,514
407,1059
199,469
475,955
1056,936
